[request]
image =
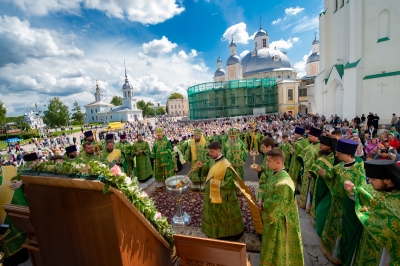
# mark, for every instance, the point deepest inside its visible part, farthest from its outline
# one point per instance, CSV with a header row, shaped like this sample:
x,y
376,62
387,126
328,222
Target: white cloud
x,y
282,44
143,11
238,32
157,47
244,53
293,10
301,66
21,41
276,21
306,24
182,56
73,77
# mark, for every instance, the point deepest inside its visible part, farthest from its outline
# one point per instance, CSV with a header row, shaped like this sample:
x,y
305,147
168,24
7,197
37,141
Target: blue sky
x,y
61,47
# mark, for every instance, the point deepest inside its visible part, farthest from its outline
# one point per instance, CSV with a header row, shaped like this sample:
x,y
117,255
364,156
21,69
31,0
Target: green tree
x,y
145,107
116,100
57,113
3,112
77,116
160,110
175,95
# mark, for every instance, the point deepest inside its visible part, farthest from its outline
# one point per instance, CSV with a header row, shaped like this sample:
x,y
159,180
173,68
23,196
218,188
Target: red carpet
x,y
193,204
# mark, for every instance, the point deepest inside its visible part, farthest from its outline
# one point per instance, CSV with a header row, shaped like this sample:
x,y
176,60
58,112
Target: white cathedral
x,y
100,111
359,70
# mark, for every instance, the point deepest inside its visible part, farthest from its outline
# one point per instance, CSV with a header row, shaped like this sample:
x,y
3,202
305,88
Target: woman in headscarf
x,y
372,147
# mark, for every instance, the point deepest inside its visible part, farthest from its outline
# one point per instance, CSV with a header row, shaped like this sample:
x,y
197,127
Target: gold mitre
x,y
159,131
233,131
198,132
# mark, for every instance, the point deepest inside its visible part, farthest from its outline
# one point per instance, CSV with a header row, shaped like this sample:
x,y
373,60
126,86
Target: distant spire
x,y
315,33
232,38
97,85
260,23
125,71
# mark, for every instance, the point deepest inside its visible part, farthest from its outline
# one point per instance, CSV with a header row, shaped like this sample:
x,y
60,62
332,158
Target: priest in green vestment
x,y
162,155
322,195
300,144
197,151
342,231
222,217
264,173
223,138
126,148
235,152
90,137
286,147
306,158
87,154
377,208
281,239
70,153
141,149
112,156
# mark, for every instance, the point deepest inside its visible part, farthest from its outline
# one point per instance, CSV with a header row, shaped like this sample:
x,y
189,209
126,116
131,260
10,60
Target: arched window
x,y
129,94
91,111
383,33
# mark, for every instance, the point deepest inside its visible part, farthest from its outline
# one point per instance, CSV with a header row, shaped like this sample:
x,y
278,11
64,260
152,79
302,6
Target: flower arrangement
x,y
113,177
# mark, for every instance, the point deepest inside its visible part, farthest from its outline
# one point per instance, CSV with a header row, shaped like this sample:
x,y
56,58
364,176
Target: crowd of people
x,y
331,165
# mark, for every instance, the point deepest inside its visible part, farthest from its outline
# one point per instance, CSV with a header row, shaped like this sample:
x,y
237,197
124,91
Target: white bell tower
x,y
127,90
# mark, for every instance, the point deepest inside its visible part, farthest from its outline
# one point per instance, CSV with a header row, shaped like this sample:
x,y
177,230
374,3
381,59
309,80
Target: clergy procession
x,y
353,203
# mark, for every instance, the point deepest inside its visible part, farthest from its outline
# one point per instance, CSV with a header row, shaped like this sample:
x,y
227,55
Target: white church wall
x,y
381,55
383,100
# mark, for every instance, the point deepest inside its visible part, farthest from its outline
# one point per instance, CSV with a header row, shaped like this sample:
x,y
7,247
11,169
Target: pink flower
x,y
158,215
116,170
144,194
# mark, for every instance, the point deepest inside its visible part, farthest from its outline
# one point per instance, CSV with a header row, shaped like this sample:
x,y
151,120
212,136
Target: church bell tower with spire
x,y
127,90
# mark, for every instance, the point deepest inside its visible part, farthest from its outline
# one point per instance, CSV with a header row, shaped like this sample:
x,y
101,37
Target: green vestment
x,y
339,215
162,154
126,149
221,219
201,155
85,158
12,242
236,155
306,158
281,239
143,164
286,148
222,139
295,167
379,213
111,158
322,196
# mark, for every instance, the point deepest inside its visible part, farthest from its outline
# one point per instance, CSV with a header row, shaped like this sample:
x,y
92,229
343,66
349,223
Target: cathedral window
x,y
383,33
175,106
303,92
129,94
264,42
96,117
233,99
290,94
111,116
251,99
179,106
92,117
91,111
95,110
